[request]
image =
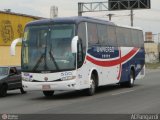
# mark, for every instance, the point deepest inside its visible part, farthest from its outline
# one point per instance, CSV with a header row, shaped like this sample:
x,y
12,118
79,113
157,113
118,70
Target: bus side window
x,y
141,40
102,34
127,35
135,38
92,34
111,32
120,36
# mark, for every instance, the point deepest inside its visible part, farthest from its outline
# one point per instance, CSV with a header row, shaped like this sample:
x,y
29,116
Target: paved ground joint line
x,y
123,92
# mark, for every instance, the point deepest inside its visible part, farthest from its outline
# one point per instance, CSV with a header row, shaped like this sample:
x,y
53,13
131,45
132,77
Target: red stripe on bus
x,y
113,62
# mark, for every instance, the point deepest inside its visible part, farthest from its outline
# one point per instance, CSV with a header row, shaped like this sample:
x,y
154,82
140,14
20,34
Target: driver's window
x,y
13,71
80,54
82,36
82,43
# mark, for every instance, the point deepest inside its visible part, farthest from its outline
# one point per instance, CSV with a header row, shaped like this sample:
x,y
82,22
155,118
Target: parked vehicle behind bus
x,y
101,53
10,79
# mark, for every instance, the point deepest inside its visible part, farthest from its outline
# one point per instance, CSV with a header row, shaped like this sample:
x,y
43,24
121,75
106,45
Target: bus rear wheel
x,y
48,93
91,90
130,82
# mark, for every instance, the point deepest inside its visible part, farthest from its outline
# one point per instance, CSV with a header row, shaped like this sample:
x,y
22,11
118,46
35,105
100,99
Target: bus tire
x,y
22,91
48,93
3,90
130,83
92,89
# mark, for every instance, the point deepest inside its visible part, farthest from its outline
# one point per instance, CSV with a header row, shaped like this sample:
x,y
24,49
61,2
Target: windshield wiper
x,y
39,61
50,53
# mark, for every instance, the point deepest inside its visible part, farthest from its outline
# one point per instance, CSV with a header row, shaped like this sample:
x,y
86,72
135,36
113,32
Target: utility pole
x,y
131,17
53,11
80,7
110,16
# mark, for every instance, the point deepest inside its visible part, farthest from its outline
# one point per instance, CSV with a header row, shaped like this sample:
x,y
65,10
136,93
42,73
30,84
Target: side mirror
x,y
13,46
74,44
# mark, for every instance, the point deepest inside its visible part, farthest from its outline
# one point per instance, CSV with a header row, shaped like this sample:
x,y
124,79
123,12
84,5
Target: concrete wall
x,y
152,52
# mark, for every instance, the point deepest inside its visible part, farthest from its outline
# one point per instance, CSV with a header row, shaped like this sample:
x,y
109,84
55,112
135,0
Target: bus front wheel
x,y
22,90
48,93
91,90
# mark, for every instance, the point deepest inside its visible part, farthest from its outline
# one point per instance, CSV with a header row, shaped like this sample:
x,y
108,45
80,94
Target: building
x,y
152,52
152,49
11,27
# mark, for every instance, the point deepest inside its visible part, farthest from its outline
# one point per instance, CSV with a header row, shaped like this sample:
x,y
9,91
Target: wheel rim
x,y
131,80
92,86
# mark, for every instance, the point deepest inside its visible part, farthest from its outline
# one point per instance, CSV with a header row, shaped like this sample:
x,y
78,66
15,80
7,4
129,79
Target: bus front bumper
x,y
49,86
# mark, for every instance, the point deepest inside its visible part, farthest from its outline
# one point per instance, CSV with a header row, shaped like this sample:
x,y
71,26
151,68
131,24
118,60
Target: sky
x,y
147,19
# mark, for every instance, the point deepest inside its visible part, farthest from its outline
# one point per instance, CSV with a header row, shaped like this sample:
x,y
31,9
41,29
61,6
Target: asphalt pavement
x,y
144,97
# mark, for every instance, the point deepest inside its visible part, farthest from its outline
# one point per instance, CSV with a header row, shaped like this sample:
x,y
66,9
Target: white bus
x,y
78,53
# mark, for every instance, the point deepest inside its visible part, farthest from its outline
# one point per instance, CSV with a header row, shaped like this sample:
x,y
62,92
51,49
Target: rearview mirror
x,y
13,46
74,44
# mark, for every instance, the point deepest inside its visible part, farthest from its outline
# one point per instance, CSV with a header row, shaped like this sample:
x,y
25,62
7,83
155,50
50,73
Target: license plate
x,y
46,87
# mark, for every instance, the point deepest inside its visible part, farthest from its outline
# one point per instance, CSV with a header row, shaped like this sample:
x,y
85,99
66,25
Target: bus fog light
x,y
24,86
73,85
27,79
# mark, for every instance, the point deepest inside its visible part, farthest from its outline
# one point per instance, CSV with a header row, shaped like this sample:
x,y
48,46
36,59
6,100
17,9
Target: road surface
x,y
144,97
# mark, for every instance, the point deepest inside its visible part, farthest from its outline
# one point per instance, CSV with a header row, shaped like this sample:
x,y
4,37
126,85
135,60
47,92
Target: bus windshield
x,y
48,48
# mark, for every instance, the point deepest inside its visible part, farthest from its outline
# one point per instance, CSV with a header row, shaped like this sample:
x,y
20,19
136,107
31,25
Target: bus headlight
x,y
68,78
26,79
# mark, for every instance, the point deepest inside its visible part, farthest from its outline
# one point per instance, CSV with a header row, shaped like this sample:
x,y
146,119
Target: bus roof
x,y
76,19
130,27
